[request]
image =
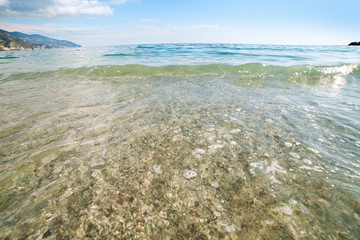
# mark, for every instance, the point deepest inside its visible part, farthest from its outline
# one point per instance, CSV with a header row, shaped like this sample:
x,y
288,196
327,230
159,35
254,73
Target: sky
x,y
116,22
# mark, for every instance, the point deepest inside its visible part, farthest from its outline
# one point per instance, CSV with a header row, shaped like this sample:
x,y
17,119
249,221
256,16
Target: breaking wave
x,y
252,72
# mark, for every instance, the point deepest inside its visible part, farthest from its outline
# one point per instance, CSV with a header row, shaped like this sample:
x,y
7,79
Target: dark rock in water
x,y
354,44
47,233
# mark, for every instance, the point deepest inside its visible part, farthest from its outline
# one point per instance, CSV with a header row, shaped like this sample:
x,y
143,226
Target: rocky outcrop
x,y
354,44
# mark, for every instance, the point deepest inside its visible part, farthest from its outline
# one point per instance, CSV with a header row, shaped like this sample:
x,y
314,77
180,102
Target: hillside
x,y
21,41
38,40
9,42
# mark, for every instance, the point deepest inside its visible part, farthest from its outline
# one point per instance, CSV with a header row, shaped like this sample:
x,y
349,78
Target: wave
x,y
148,46
241,73
227,53
117,55
8,57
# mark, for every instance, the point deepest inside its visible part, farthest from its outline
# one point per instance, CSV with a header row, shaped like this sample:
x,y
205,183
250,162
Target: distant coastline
x,y
14,41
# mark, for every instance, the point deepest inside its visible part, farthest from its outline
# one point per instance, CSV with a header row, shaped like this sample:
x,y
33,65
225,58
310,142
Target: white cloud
x,y
4,3
147,20
153,34
53,8
194,27
116,2
39,29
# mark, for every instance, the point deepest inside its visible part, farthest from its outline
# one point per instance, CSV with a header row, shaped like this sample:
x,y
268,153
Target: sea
x,y
180,141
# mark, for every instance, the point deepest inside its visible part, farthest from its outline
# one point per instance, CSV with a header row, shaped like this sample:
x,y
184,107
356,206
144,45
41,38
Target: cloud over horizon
x,y
107,22
3,3
116,2
53,8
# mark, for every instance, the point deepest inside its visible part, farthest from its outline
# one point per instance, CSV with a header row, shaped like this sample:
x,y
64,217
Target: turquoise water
x,y
178,54
180,141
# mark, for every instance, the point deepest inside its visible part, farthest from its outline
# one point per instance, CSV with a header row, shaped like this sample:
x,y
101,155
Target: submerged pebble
x,y
96,162
314,150
235,131
215,146
190,174
58,169
215,184
287,210
199,150
216,214
307,161
295,155
230,228
157,169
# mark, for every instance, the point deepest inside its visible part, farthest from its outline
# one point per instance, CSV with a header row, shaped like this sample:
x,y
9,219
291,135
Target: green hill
x,y
21,41
8,42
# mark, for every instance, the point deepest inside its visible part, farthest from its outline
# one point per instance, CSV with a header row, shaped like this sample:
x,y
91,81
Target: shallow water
x,y
249,151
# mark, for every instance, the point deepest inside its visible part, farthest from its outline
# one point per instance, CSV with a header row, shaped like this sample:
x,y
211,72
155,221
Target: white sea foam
x,y
315,168
255,165
339,81
340,72
273,169
344,70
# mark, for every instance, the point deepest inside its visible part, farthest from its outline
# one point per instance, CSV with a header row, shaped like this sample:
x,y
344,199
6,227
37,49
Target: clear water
x,y
180,141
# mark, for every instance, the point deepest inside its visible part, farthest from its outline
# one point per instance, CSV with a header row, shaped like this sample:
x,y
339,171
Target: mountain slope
x,y
8,42
20,41
38,40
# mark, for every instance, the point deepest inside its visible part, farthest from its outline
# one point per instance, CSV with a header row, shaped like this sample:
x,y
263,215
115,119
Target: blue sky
x,y
112,22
